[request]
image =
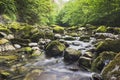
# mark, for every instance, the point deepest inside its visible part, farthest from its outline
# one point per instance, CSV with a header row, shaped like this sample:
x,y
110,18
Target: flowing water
x,y
56,69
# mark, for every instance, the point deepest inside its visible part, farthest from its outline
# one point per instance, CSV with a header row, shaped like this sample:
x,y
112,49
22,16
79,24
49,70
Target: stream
x,y
57,69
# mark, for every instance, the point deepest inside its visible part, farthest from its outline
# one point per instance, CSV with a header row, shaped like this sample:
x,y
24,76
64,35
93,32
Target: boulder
x,y
85,62
112,70
71,55
54,49
108,45
102,60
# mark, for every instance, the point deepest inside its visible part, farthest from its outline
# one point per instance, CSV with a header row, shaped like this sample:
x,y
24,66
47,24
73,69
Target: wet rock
x,y
88,54
6,47
36,53
69,38
85,38
3,41
73,34
10,36
102,60
112,70
76,43
85,62
33,44
54,48
108,45
58,36
2,35
71,55
105,35
33,75
115,30
17,46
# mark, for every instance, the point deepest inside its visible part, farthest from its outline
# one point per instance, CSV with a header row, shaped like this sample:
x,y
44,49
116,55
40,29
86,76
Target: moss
x,y
108,45
101,29
99,62
58,29
10,57
73,34
73,28
3,41
54,48
111,70
4,28
49,35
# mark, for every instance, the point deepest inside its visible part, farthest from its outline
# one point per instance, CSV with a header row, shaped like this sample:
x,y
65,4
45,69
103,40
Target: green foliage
x,y
97,12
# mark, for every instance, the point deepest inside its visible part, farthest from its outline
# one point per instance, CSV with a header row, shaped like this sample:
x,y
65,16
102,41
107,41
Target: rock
x,y
112,70
22,42
69,38
108,45
85,38
114,30
33,75
3,41
33,44
2,35
85,62
105,35
71,55
96,76
10,36
17,46
88,54
58,36
54,49
73,34
76,43
102,60
36,53
58,29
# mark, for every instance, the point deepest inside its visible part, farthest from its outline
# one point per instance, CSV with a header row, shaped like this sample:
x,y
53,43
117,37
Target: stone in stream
x,y
85,38
71,55
85,62
58,36
54,49
112,70
102,60
33,44
108,45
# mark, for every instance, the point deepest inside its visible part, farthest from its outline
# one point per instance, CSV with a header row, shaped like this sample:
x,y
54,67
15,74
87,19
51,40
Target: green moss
x,y
110,71
3,41
98,63
73,28
54,48
101,29
69,38
58,29
49,35
10,57
108,45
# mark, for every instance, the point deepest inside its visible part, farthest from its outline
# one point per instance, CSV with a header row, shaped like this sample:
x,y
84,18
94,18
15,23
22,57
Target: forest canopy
x,y
97,12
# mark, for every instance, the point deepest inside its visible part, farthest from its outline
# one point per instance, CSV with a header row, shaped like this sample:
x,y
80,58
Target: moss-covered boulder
x,y
58,29
71,55
70,38
54,49
102,60
108,45
85,62
112,70
101,29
